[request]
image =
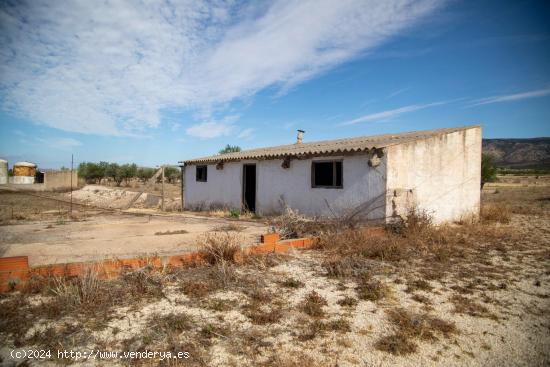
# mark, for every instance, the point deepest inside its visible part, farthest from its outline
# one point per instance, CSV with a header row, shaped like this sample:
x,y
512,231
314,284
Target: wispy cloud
x,y
213,129
397,92
113,67
246,133
389,114
511,97
53,142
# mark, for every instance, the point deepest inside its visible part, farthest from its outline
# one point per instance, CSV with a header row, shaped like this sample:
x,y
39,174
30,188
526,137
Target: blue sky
x,y
161,82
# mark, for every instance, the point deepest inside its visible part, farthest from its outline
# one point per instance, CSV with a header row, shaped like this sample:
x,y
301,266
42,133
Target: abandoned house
x,y
376,177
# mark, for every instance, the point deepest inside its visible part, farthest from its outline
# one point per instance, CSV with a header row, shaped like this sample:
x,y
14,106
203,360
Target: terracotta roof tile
x,y
349,145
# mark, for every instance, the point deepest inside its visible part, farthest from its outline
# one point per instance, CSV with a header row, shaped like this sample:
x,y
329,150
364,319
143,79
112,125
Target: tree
x,y
113,171
127,171
145,173
90,171
230,149
488,169
171,174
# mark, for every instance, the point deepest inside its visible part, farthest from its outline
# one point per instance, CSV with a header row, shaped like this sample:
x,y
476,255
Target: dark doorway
x,y
249,187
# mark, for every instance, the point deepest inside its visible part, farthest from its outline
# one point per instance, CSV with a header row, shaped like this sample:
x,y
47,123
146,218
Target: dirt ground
x,y
43,230
106,236
470,294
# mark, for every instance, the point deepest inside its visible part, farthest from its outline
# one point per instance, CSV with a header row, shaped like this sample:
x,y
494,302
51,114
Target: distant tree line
x,y
119,173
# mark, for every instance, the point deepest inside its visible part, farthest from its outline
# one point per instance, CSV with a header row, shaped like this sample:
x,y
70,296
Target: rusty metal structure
x,y
3,172
24,173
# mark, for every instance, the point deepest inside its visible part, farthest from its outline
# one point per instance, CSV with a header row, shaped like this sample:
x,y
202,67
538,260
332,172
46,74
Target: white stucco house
x,y
379,177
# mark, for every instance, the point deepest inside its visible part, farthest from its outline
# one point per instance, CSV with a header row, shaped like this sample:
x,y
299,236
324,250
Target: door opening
x,y
249,187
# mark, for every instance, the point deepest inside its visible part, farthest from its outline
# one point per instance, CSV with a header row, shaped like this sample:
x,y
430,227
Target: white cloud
x,y
114,67
54,143
397,92
511,97
246,133
66,142
212,129
388,114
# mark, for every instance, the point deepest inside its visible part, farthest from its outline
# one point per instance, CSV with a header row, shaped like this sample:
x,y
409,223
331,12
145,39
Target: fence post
x,y
162,205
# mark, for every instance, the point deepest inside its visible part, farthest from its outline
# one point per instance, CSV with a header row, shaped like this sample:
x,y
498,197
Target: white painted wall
x,y
276,185
441,174
223,187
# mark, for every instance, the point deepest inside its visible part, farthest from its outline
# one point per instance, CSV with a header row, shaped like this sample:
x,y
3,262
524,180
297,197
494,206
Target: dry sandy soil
x,y
470,294
42,229
115,236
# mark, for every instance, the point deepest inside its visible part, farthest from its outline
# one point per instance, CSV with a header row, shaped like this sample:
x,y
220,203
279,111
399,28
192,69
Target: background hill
x,y
519,153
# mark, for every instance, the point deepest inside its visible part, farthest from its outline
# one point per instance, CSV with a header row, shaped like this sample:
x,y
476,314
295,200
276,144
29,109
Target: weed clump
x,y
494,212
410,327
370,289
313,304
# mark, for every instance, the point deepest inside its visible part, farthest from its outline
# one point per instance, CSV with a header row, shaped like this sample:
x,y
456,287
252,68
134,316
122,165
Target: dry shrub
x,y
421,299
291,224
293,360
13,316
222,250
371,289
422,326
418,284
172,322
344,266
259,317
397,344
83,290
178,231
313,304
350,252
231,227
143,282
347,302
410,326
317,328
292,283
494,212
219,248
196,289
464,305
360,242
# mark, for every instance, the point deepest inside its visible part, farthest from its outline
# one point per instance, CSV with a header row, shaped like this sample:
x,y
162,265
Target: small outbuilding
x,y
375,177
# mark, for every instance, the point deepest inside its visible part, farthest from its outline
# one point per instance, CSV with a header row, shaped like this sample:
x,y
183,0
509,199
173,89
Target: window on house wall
x,y
327,174
202,173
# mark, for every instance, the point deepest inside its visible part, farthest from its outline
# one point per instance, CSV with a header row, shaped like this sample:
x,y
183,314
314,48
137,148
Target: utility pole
x,y
162,205
71,186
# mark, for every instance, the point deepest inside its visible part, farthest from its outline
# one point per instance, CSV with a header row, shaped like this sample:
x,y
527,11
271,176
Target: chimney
x,y
300,136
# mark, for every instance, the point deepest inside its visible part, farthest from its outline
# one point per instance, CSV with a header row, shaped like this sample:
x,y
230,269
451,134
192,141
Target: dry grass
x,y
291,283
179,231
318,328
292,224
313,304
220,248
370,289
409,327
259,316
347,302
495,213
231,227
466,306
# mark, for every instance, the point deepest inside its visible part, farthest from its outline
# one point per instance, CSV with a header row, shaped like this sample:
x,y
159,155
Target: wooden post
x,y
162,202
71,212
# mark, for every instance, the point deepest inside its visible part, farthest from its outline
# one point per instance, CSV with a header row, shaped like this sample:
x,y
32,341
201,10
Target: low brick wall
x,y
15,271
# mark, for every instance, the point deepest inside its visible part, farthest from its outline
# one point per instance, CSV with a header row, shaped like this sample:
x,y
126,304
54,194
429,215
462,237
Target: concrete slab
x,y
114,236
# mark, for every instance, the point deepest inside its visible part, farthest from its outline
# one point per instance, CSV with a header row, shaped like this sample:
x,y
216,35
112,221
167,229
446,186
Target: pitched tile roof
x,y
349,145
